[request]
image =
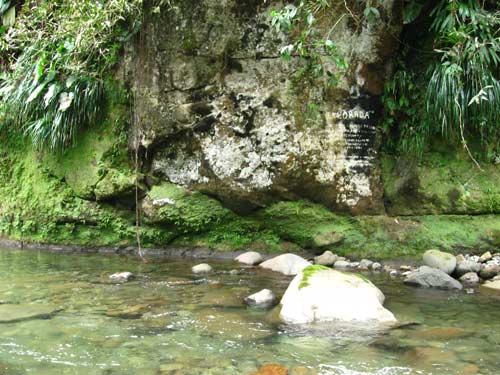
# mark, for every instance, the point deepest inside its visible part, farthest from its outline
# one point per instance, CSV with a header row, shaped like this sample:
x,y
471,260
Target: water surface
x,y
169,321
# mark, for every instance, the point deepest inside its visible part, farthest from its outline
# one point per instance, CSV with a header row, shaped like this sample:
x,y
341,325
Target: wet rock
x,y
250,258
22,312
470,279
428,356
121,277
350,298
489,272
441,333
493,285
341,264
485,257
287,264
438,259
405,268
202,268
365,264
376,266
432,278
133,312
469,369
394,273
326,259
263,299
467,266
271,370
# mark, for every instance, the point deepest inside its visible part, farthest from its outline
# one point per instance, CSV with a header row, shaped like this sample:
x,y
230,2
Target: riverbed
x,y
62,315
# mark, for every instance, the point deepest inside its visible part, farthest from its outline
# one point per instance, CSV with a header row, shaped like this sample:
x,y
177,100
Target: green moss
x,y
308,272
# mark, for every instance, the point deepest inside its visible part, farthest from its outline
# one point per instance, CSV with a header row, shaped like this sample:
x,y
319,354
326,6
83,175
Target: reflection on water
x,y
61,315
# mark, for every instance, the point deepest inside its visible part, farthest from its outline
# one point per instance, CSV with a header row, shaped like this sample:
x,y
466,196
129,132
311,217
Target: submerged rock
x,y
22,312
432,278
271,370
202,268
263,299
326,259
249,258
121,277
438,259
470,279
319,294
288,264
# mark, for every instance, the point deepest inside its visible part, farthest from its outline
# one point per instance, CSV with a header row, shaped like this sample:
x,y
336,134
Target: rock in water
x,y
489,271
319,294
491,285
250,258
271,370
288,264
470,279
467,266
202,268
121,277
263,299
23,312
326,259
443,261
432,278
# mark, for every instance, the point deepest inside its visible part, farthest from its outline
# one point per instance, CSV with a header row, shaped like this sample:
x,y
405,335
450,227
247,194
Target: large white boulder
x,y
249,258
445,262
288,264
319,294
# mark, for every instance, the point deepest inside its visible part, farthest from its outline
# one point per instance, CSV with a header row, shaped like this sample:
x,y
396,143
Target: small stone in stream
x,y
250,258
406,273
469,279
271,370
263,299
287,264
445,262
341,264
467,266
202,268
376,266
326,259
460,258
492,285
394,273
489,271
354,265
388,268
234,272
405,268
485,257
432,278
365,264
121,277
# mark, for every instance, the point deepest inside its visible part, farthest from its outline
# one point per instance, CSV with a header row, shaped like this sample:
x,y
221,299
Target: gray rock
x,y
460,258
326,259
489,271
470,279
394,273
365,264
445,262
342,264
492,285
405,268
263,299
376,266
202,268
432,278
121,277
250,258
354,264
467,266
288,264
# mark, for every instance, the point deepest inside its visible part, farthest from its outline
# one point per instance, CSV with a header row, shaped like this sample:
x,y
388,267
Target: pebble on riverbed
x,y
202,268
121,277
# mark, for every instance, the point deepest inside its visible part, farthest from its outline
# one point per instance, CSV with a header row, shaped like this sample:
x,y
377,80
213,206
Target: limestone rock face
x,y
288,264
438,259
216,109
329,295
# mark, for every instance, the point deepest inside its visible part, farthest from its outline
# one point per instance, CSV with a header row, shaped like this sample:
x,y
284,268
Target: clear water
x,y
169,321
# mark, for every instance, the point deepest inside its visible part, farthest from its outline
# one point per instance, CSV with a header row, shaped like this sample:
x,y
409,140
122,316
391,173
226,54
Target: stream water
x,y
59,314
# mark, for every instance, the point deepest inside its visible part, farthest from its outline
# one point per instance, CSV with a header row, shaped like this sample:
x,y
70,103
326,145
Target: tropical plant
x,y
58,55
